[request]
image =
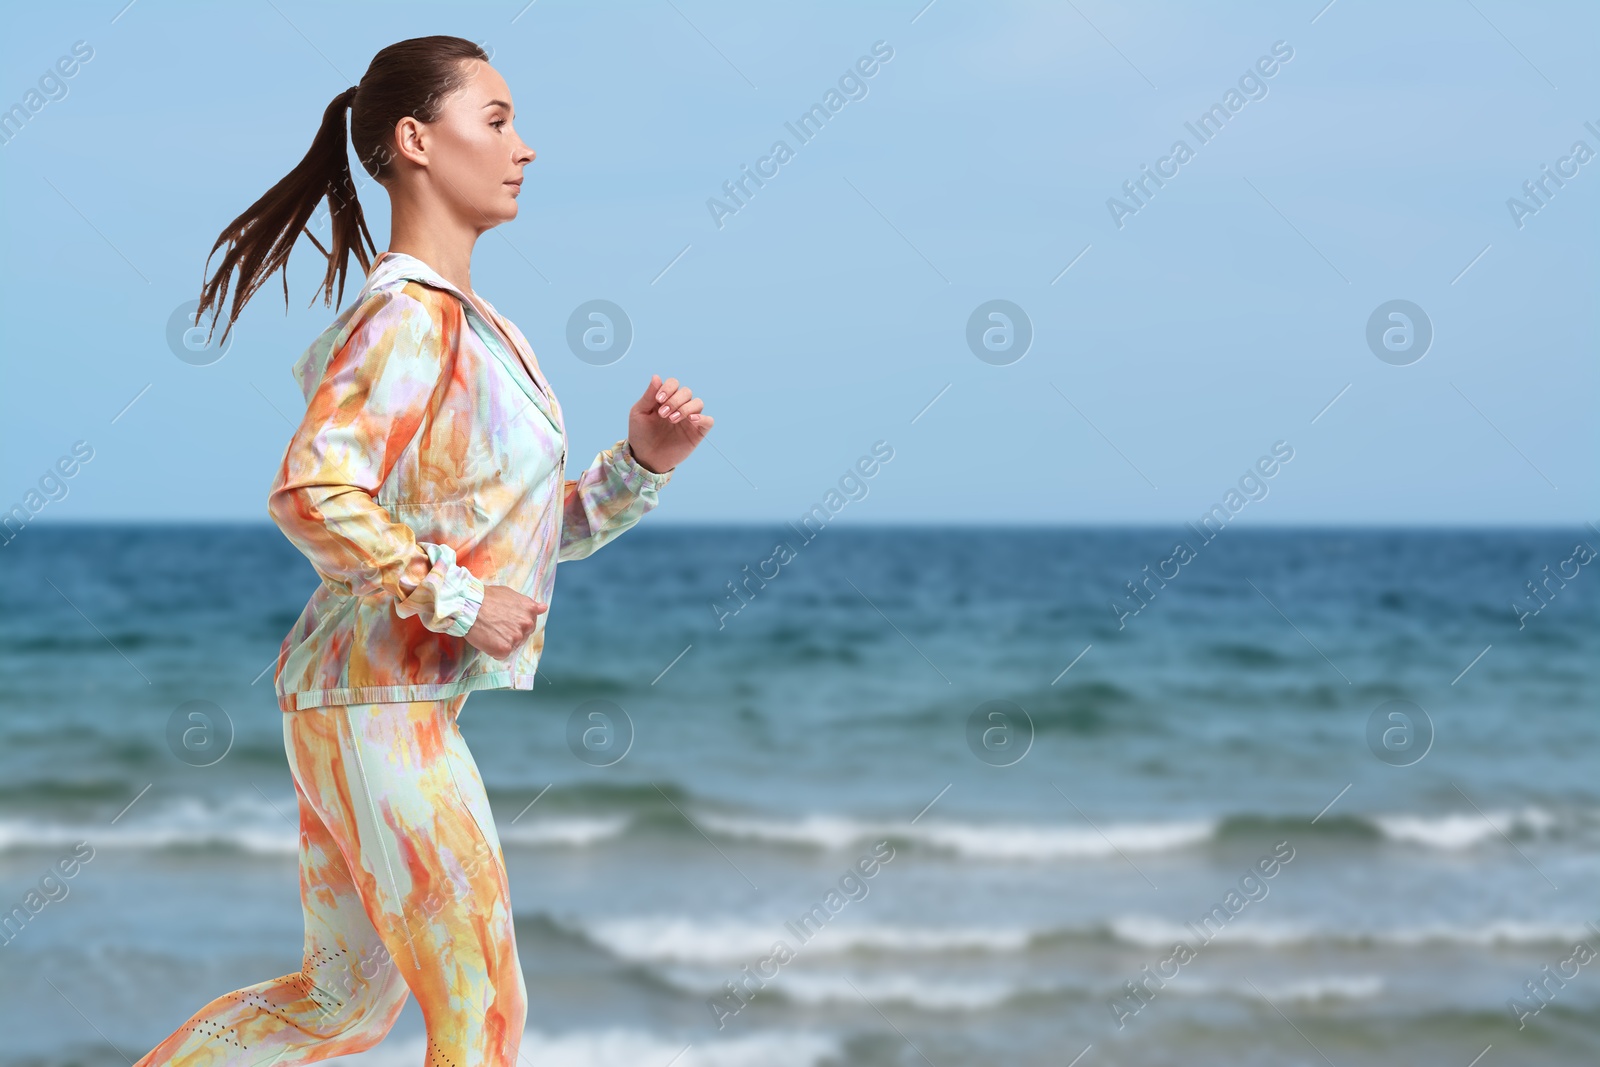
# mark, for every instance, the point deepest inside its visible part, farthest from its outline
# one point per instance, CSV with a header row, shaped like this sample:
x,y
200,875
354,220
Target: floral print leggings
x,y
404,888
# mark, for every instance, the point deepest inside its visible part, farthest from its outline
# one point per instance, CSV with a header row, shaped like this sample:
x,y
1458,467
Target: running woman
x,y
426,486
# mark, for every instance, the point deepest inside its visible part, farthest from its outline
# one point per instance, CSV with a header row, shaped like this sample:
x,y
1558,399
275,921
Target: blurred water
x,y
1226,719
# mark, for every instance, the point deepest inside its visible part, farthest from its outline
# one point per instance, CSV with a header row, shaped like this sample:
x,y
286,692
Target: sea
x,y
1309,796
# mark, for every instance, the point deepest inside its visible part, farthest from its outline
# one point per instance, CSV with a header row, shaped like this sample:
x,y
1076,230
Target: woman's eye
x,y
497,123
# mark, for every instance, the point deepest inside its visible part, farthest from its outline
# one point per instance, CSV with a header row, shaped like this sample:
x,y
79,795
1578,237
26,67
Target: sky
x,y
1154,347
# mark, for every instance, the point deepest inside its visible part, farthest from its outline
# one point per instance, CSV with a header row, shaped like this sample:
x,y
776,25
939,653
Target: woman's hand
x,y
666,425
505,619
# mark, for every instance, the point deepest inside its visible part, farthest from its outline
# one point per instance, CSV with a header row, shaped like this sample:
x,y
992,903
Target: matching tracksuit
x,y
430,463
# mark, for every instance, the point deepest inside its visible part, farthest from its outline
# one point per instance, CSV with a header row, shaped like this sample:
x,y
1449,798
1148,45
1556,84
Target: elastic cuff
x,y
449,595
472,595
638,471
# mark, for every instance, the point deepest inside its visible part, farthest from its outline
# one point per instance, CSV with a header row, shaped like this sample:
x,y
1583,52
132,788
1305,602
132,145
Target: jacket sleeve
x,y
369,405
612,495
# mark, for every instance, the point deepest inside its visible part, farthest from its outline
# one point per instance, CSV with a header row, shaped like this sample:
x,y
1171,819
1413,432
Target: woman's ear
x,y
411,140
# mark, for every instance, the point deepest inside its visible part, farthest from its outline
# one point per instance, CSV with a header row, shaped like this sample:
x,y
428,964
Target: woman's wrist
x,y
634,452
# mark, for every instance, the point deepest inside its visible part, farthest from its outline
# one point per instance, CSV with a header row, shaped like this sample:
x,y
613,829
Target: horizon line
x,y
856,523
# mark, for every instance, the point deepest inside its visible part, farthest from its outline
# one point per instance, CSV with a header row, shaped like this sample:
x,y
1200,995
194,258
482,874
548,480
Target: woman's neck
x,y
448,253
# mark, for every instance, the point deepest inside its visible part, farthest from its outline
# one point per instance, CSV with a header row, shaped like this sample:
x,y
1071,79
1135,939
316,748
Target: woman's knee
x,y
365,1007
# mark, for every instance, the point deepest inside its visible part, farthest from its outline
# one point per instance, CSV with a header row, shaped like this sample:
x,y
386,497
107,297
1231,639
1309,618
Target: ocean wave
x,y
687,940
1150,932
578,817
1302,990
240,823
1464,830
253,824
812,989
1011,841
681,939
576,832
618,1047
1024,841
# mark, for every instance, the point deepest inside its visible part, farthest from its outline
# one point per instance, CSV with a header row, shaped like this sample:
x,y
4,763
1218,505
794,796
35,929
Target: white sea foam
x,y
1463,830
1024,841
1009,841
619,1047
252,824
242,822
702,941
1303,990
907,989
256,824
1153,932
577,832
816,988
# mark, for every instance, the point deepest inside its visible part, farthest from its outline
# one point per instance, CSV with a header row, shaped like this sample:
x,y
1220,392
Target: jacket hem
x,y
387,694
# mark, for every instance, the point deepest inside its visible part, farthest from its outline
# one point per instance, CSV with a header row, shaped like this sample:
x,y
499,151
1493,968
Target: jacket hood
x,y
389,270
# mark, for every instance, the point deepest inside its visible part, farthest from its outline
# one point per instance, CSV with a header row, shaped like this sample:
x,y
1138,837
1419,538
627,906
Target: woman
x,y
426,486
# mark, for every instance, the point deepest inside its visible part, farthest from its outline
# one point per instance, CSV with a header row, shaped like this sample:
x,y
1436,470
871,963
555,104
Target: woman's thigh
x,y
398,790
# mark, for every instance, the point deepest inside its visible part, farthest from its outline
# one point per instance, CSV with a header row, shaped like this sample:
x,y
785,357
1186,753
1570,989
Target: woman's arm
x,y
612,495
366,410
665,424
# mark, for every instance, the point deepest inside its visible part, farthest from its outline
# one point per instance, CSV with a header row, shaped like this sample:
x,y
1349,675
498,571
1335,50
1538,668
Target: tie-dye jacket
x,y
430,463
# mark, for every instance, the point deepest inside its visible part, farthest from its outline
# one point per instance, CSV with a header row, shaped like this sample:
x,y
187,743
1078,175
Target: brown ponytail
x,y
409,78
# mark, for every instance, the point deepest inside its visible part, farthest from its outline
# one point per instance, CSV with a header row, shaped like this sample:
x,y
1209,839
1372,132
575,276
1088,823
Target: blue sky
x,y
830,312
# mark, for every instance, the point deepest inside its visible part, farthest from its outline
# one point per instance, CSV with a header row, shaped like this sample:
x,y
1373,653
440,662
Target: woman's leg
x,y
398,789
404,886
342,1000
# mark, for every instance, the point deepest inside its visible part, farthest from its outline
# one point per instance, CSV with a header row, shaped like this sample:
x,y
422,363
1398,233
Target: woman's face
x,y
473,155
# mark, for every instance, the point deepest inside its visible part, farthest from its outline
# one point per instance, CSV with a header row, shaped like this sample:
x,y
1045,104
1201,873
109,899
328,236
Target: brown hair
x,y
409,77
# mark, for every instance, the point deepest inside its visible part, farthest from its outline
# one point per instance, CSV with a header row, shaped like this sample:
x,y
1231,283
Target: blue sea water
x,y
1143,766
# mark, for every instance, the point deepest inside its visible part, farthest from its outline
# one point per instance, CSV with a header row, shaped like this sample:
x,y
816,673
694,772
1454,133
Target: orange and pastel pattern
x,y
403,886
429,463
